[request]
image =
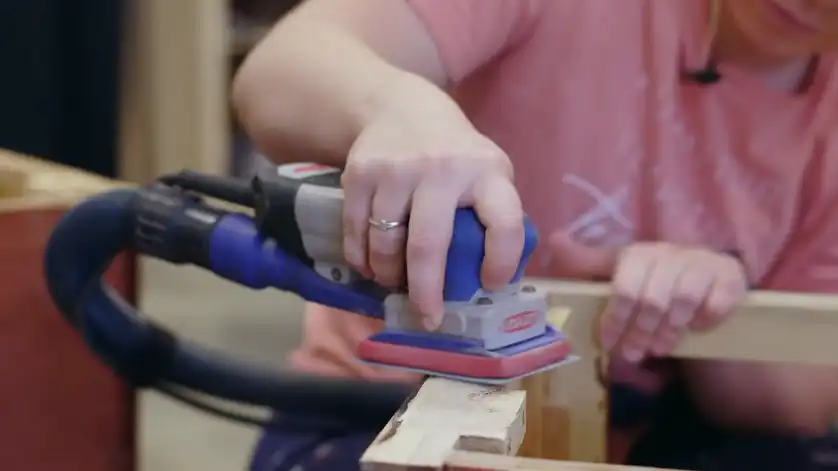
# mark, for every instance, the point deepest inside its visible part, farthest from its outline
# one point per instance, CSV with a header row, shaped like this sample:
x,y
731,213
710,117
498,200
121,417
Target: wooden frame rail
x,y
559,417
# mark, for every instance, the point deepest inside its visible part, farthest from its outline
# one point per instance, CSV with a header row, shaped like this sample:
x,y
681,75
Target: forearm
x,y
310,88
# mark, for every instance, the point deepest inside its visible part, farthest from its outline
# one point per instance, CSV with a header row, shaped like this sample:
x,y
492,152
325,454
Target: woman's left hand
x,y
660,291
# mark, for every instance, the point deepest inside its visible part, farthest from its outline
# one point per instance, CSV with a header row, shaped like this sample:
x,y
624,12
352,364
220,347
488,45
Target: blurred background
x,y
130,90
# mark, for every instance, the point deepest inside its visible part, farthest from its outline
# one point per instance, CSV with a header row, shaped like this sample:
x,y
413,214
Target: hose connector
x,y
174,225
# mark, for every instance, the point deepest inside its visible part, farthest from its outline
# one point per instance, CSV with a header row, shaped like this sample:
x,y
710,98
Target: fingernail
x,y
632,355
430,323
659,349
680,317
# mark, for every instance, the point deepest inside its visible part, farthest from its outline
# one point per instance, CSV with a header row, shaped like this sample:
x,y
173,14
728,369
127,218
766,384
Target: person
x,y
686,151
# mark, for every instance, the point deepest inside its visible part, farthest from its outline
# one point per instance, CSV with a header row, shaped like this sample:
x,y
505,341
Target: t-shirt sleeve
x,y
469,33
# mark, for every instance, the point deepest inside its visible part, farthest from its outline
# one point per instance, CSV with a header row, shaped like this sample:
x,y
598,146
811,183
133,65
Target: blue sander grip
x,y
300,207
466,253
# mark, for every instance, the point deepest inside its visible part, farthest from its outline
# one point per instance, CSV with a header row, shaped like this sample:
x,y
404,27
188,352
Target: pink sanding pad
x,y
464,365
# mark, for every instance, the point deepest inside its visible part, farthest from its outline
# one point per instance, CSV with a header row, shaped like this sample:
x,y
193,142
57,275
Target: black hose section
x,y
234,413
325,400
231,189
82,246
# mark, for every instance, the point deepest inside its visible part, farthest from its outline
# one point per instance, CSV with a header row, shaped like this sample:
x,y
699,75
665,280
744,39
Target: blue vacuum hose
x,y
81,248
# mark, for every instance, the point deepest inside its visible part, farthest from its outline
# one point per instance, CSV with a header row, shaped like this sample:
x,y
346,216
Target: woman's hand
x,y
422,160
660,291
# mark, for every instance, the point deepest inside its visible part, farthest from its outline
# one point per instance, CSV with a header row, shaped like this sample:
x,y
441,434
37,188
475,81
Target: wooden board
x,y
28,183
475,417
62,409
567,408
450,425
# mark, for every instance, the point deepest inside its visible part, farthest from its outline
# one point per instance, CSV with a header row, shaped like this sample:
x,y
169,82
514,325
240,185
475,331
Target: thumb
x,y
580,260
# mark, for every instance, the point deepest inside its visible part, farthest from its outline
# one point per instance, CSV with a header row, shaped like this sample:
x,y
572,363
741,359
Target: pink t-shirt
x,y
612,146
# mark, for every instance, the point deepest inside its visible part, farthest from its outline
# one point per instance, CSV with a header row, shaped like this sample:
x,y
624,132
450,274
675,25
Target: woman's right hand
x,y
422,159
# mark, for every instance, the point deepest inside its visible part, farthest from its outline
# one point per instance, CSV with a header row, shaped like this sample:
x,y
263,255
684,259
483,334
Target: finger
x,y
653,308
357,203
666,339
725,293
681,311
691,289
633,269
609,331
428,238
621,371
386,248
578,260
498,207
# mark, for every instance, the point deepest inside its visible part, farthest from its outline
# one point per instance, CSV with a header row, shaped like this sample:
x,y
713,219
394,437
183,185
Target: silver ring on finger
x,y
385,225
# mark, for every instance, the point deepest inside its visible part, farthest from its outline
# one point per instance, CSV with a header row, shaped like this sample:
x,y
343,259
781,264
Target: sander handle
x,y
301,207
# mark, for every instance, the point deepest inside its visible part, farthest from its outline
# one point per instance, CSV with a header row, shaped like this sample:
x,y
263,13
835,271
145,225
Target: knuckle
x,y
494,166
509,228
493,155
647,322
731,288
623,306
423,244
468,158
689,299
623,296
393,168
385,251
440,166
370,168
645,251
639,338
380,255
653,304
386,244
353,174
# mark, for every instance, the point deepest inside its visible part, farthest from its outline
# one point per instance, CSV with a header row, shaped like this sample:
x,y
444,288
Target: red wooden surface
x,y
60,409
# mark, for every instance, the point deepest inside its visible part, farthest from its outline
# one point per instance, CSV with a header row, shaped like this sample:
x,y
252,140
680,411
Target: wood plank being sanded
x,y
451,425
446,415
